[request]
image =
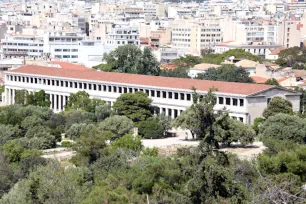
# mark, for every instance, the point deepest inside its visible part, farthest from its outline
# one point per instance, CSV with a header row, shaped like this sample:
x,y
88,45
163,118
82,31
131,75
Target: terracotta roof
x,y
276,51
156,81
224,43
259,80
67,65
205,66
299,73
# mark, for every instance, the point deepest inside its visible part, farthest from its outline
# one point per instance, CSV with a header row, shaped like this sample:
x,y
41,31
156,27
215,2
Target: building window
x,y
75,85
268,100
152,93
241,119
170,95
164,94
175,95
221,100
109,88
228,101
158,94
85,86
182,96
115,89
71,84
89,86
120,89
188,97
135,90
104,87
66,83
99,87
125,89
241,101
130,90
62,83
234,117
147,92
80,85
235,102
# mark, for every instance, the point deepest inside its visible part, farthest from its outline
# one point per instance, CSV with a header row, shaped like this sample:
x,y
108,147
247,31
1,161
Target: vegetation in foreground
x,y
112,166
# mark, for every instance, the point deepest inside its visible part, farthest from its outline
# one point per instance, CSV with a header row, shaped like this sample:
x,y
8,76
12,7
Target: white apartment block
x,y
244,102
22,45
122,35
62,45
195,37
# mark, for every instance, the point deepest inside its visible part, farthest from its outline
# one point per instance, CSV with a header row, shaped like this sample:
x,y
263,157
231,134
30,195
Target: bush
x,y
128,142
151,129
66,144
285,127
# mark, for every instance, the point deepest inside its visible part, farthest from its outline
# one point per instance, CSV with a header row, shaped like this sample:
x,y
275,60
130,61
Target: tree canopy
x,y
237,53
81,101
277,105
130,59
229,73
136,106
272,82
292,57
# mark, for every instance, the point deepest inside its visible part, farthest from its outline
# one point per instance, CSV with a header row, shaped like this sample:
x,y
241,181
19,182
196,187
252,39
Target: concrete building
x,y
122,35
22,45
244,102
196,36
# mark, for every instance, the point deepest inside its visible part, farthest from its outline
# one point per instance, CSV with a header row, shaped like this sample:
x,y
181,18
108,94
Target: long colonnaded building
x,y
243,101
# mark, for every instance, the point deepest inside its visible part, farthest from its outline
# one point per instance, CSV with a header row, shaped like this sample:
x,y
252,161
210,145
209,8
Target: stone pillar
x,y
13,96
64,102
60,102
50,96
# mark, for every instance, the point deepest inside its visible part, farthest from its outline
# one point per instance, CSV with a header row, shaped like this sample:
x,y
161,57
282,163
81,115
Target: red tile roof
x,y
259,80
68,65
156,81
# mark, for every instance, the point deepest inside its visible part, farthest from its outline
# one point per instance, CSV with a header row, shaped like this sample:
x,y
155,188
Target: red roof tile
x,y
68,65
259,80
156,81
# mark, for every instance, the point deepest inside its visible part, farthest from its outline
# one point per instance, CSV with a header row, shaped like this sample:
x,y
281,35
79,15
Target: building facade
x,y
172,96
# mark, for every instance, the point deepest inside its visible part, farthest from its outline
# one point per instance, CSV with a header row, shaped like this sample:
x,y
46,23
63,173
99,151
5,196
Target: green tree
x,y
7,132
81,101
77,129
284,127
277,105
228,131
136,106
227,72
151,128
127,141
237,53
272,81
117,125
291,56
200,118
50,184
187,61
130,59
20,96
90,146
39,98
103,111
179,72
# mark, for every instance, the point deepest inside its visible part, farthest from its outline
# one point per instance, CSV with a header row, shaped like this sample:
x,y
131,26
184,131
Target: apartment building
x,y
172,96
256,48
21,46
195,37
62,45
122,35
161,36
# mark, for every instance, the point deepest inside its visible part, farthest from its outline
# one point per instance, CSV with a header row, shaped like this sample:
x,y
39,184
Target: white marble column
x,y
64,102
13,96
60,102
